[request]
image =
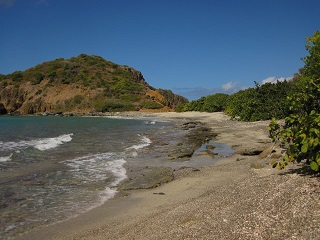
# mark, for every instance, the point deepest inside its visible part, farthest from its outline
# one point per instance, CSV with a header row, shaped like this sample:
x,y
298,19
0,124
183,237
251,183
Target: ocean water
x,y
53,168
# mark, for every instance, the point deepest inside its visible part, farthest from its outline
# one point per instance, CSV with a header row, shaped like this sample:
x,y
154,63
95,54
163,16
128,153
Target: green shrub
x,y
65,81
181,107
113,105
77,100
213,103
4,84
52,75
124,86
130,98
301,131
17,76
37,78
261,103
151,105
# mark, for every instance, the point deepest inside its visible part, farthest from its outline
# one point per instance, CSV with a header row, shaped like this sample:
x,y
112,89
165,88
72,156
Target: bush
x,y
124,86
151,105
261,103
130,97
65,81
37,78
113,105
213,103
301,131
17,76
4,84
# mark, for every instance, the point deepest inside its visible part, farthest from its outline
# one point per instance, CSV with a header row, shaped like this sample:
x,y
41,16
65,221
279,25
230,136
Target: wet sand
x,y
240,197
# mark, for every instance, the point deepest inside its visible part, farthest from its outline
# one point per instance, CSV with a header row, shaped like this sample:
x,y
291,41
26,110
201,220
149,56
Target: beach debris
x,y
159,193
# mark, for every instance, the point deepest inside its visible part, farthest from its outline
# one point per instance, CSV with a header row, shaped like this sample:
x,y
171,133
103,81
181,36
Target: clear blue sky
x,y
192,47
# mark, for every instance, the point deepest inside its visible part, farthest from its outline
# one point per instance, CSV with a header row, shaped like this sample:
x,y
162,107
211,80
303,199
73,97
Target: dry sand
x,y
240,197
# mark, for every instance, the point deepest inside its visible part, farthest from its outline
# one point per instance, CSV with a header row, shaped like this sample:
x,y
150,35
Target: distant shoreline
x,y
239,197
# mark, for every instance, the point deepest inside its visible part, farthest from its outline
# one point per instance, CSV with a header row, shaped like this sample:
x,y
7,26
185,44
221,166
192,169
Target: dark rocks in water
x,y
15,113
181,153
3,110
201,135
189,125
197,135
207,153
181,147
7,197
148,178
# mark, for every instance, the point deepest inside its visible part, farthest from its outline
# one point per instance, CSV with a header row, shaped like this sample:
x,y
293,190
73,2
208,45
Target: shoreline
x,y
238,197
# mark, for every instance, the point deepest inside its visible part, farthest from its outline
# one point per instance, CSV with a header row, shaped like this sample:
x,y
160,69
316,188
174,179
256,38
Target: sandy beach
x,y
240,197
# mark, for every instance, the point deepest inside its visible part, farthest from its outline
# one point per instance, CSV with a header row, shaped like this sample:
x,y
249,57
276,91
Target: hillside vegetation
x,y
81,84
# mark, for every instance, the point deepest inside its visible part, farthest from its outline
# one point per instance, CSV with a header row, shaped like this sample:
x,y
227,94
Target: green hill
x,y
81,84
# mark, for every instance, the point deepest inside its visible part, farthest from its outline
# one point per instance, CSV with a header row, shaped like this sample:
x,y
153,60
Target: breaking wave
x,y
6,158
41,144
144,143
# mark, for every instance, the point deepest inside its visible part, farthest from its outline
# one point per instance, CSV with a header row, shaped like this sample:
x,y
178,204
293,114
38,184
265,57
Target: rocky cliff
x,y
81,84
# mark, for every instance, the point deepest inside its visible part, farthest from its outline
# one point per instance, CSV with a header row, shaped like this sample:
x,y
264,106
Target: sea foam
x,y
101,167
6,158
104,167
41,144
92,168
49,143
144,143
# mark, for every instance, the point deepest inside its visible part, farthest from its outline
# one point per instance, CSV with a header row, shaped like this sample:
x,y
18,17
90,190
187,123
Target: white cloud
x,y
6,3
274,79
229,86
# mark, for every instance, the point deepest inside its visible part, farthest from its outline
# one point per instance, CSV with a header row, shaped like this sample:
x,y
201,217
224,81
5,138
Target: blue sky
x,y
192,47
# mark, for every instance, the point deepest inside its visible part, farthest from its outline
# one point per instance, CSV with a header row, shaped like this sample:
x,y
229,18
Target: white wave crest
x,y
98,168
144,143
93,168
40,144
149,122
49,143
6,158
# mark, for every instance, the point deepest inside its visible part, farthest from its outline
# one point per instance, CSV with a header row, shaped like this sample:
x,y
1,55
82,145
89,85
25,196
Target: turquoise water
x,y
52,168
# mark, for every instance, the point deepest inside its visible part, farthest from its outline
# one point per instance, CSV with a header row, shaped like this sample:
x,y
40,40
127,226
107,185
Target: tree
x,y
301,131
260,103
215,103
212,103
